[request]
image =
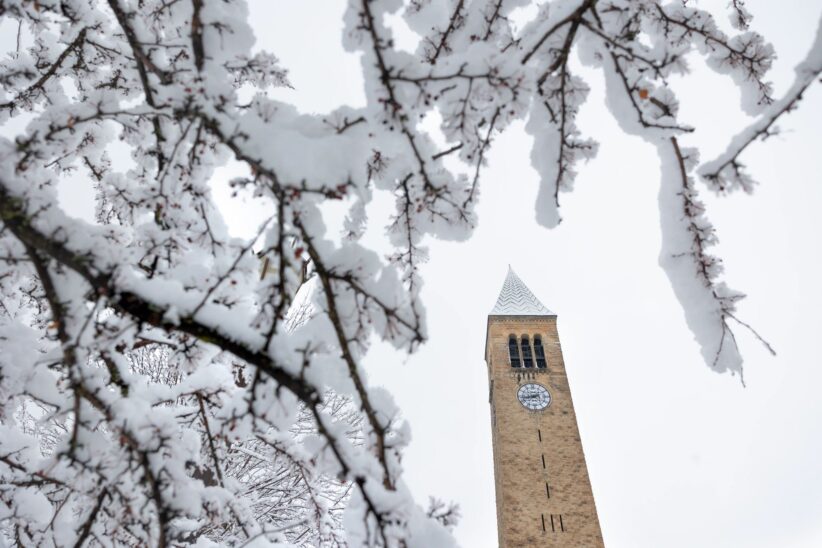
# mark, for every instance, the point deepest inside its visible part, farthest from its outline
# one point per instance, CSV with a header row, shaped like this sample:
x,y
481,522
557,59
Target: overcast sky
x,y
678,455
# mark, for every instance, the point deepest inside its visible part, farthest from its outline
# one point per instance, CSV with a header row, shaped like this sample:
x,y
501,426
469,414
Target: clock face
x,y
534,396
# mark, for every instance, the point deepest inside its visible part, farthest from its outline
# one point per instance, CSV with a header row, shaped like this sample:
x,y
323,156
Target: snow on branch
x,y
687,235
236,372
727,172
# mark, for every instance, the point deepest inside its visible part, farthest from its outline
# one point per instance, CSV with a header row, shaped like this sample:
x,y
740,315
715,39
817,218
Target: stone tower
x,y
544,495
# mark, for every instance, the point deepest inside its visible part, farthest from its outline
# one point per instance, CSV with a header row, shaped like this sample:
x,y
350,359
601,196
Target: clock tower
x,y
544,496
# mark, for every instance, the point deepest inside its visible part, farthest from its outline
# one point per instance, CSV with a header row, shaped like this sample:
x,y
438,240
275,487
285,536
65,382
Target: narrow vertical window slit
x,y
539,352
513,351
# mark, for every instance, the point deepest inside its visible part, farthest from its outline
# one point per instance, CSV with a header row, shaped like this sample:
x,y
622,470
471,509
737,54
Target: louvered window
x,y
539,351
527,360
513,351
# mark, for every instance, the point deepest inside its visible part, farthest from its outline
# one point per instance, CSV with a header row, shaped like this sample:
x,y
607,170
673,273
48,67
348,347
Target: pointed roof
x,y
516,299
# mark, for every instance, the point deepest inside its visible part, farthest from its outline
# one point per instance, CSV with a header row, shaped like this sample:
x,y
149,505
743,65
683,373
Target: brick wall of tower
x,y
522,499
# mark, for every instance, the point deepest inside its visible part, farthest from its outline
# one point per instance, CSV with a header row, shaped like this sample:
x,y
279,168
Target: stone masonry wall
x,y
533,449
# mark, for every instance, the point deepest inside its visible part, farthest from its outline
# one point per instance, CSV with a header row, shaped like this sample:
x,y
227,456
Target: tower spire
x,y
515,299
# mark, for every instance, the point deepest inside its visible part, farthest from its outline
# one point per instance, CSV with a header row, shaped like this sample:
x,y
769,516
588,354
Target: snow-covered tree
x,y
156,388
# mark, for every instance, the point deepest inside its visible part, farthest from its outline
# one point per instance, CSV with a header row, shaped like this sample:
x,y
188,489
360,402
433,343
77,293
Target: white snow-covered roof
x,y
516,299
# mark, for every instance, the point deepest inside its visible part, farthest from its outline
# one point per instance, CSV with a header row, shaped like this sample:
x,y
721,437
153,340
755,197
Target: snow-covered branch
x,y
727,172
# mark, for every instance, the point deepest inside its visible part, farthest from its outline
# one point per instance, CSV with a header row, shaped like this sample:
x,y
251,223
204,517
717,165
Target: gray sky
x,y
678,456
